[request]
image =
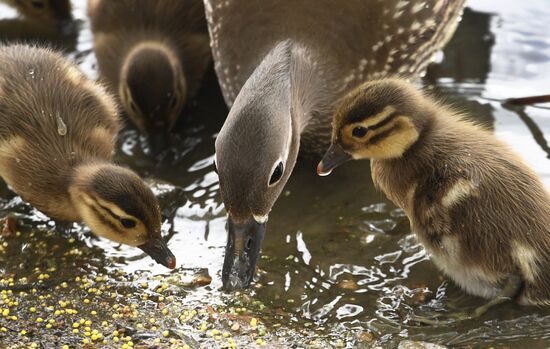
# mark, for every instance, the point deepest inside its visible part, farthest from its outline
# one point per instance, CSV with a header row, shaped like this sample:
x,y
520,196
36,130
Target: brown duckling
x,y
478,209
57,132
154,54
43,10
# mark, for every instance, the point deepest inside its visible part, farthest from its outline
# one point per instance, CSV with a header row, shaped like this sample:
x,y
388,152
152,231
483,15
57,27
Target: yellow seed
x,y
32,310
115,339
225,334
172,341
48,326
93,312
75,331
85,341
65,347
87,322
164,311
115,333
165,333
39,319
23,332
75,325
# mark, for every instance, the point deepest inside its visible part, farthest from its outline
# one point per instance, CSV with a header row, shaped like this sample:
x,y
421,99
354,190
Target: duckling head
x,y
378,120
116,204
153,90
46,10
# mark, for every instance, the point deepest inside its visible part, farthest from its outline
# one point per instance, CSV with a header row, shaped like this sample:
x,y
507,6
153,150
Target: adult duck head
x,y
255,153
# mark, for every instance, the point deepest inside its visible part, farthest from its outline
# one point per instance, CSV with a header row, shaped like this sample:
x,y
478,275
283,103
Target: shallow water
x,y
338,260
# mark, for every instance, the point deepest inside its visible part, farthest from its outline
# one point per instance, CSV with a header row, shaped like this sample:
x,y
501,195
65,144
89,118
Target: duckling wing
x,y
357,39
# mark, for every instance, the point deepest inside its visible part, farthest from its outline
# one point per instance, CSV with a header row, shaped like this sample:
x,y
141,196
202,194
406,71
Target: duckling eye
x,y
277,174
128,223
359,132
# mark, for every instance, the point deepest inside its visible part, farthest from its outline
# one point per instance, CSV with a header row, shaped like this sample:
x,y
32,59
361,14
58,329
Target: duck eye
x,y
277,174
128,223
359,132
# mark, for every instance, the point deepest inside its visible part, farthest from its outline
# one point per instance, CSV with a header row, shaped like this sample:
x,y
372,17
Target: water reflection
x,y
338,254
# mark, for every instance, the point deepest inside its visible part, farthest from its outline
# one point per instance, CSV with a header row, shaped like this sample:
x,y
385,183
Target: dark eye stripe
x,y
106,209
384,122
380,136
107,222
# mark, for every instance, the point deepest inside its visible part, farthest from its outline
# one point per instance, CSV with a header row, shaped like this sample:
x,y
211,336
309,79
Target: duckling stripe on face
x,y
106,220
363,118
387,141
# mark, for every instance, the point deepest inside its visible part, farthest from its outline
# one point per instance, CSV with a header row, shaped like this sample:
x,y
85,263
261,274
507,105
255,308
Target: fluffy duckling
x,y
43,10
154,54
57,133
480,212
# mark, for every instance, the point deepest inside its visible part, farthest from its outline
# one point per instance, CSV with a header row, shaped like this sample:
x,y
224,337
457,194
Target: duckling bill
x,y
57,132
479,211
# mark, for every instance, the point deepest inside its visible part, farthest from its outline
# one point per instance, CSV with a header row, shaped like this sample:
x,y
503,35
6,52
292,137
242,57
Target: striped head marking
x,y
378,120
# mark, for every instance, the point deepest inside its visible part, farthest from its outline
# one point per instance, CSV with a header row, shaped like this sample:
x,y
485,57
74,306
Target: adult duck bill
x,y
334,157
242,251
159,251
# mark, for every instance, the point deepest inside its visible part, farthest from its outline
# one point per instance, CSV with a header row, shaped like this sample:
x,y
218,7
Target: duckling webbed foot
x,y
508,293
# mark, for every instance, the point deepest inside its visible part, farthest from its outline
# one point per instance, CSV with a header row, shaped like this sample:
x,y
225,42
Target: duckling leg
x,y
508,292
